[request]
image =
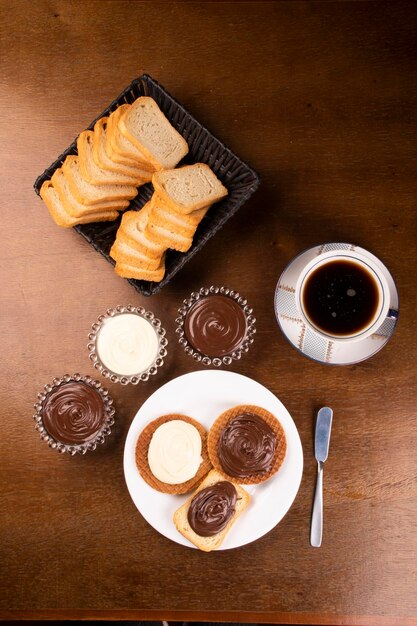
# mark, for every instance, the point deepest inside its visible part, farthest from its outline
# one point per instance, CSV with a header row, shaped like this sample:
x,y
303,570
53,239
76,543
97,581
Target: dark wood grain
x,y
320,98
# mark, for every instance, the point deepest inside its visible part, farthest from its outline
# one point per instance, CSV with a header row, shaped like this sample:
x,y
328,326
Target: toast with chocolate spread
x,y
206,517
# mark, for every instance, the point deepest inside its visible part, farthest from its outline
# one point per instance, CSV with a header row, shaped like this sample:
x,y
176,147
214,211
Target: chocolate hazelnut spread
x,y
215,325
212,508
73,413
247,446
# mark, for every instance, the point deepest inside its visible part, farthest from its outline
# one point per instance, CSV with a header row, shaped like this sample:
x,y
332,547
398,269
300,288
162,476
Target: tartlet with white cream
x,y
171,453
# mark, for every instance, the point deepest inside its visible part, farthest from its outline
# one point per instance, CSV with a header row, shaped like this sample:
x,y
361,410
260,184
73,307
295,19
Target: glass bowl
x,y
76,448
116,377
205,359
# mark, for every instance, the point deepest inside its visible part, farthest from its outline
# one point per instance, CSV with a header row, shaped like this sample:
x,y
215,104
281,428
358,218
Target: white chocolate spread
x,y
174,453
127,344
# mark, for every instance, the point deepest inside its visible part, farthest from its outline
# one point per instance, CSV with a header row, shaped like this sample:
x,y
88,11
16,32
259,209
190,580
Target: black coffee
x,y
340,298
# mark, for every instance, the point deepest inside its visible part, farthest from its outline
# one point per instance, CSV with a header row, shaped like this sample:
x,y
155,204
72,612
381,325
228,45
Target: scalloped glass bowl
x,y
115,377
104,431
203,358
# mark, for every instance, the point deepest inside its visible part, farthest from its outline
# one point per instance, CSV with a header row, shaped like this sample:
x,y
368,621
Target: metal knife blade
x,y
321,449
323,429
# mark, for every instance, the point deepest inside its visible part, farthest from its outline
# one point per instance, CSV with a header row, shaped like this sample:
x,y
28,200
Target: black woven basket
x,y
240,180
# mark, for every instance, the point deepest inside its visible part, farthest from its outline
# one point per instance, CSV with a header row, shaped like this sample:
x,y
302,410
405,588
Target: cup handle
x,y
392,314
387,327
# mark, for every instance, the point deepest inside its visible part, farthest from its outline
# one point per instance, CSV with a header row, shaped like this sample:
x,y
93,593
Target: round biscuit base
x,y
268,418
141,456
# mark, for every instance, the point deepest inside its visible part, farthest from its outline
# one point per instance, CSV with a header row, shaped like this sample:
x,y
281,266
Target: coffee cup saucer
x,y
309,342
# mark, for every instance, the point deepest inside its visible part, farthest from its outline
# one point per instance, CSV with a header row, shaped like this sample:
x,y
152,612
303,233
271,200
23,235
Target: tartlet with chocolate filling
x,y
247,444
161,452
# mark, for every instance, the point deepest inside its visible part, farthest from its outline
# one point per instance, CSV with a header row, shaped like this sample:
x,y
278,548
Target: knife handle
x,y
316,531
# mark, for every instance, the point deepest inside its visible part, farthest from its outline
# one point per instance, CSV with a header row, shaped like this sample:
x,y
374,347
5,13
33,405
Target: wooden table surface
x,y
320,99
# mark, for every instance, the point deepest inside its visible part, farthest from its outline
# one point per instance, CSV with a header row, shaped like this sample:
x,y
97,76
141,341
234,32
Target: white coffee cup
x,y
382,309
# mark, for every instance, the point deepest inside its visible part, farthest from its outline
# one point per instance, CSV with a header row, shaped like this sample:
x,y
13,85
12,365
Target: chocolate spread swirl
x,y
247,446
73,413
212,508
215,325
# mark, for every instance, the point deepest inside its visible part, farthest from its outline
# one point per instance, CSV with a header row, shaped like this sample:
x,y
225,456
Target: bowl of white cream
x,y
127,344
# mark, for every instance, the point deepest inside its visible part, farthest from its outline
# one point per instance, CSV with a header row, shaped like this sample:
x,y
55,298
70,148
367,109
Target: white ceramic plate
x,y
204,395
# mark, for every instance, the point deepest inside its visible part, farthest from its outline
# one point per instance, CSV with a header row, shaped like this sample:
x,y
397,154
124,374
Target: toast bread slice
x,y
61,217
189,188
137,240
164,216
144,215
165,220
94,174
130,271
144,124
122,252
207,544
86,193
121,147
112,150
103,161
168,237
193,218
131,233
75,208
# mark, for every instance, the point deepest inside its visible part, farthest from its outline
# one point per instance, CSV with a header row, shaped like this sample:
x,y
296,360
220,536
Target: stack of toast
x,y
168,221
120,155
134,145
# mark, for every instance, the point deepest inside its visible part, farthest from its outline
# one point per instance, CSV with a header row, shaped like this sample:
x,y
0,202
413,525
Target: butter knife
x,y
321,450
